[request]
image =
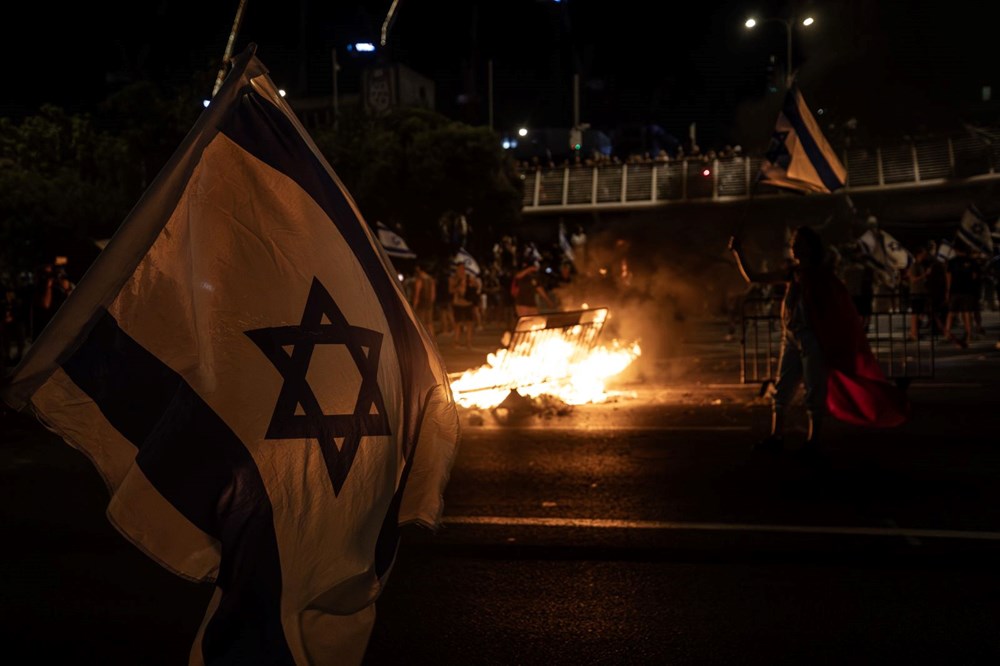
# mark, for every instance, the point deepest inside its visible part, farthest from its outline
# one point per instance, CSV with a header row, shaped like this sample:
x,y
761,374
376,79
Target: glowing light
x,y
523,131
560,362
205,103
808,20
706,172
364,47
506,144
750,22
281,91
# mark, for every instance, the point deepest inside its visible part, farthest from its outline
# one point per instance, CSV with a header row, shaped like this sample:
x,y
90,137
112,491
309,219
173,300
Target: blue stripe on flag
x,y
808,141
202,468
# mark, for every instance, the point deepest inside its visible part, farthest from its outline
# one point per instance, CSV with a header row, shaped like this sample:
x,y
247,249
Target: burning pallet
x,y
556,353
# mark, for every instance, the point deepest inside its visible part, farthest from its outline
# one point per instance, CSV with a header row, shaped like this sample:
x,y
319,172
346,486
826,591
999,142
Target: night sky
x,y
894,67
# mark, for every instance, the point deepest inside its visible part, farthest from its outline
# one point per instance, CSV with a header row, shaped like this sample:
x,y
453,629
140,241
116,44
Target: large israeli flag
x,y
245,373
799,157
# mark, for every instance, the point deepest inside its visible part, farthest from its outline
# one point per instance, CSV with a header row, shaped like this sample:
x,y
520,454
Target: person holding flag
x,y
823,345
195,364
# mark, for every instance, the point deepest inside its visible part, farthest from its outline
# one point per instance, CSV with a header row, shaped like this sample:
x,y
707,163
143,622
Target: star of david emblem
x,y
339,435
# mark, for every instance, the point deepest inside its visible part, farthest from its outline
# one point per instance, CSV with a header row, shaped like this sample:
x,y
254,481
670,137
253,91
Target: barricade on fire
x,y
554,353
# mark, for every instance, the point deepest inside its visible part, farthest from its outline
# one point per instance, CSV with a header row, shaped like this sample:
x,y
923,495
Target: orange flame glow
x,y
555,362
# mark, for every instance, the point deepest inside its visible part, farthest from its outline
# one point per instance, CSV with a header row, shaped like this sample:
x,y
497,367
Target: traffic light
x,y
575,138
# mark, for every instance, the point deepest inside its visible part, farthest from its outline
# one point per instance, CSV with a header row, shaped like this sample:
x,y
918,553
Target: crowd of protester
x,y
942,294
514,278
662,156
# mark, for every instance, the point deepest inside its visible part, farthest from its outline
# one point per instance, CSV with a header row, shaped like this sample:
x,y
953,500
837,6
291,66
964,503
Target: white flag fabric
x,y
974,231
564,244
945,251
393,243
885,254
799,157
471,265
899,257
243,369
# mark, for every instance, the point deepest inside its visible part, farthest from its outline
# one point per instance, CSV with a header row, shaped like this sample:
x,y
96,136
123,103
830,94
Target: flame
x,y
553,363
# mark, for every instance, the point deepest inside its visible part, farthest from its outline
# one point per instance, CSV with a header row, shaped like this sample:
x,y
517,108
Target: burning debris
x,y
550,356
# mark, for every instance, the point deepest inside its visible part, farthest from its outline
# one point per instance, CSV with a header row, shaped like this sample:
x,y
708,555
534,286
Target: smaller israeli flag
x,y
393,243
974,231
945,251
471,265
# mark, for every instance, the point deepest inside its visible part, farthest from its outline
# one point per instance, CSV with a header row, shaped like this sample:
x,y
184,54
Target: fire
x,y
556,356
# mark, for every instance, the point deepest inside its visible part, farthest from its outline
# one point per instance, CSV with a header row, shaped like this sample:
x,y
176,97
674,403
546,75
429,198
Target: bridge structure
x,y
967,162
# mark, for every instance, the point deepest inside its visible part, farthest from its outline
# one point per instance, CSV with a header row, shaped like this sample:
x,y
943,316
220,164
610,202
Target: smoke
x,y
654,293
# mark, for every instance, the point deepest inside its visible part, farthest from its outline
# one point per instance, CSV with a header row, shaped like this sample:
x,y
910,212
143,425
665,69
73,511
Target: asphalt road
x,y
639,531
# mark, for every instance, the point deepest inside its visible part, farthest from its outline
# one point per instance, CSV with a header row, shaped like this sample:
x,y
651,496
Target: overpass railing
x,y
914,164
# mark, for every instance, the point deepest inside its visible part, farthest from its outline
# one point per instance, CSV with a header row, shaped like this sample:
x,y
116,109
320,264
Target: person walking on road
x,y
961,293
823,345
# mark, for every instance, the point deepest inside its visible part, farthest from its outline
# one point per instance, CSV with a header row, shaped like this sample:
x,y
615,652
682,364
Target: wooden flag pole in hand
x,y
229,47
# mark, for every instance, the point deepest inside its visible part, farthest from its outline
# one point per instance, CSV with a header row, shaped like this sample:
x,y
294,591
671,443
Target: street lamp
x,y
806,22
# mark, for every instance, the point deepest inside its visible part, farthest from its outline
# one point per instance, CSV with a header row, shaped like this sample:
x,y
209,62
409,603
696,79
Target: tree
x,y
67,180
412,166
60,186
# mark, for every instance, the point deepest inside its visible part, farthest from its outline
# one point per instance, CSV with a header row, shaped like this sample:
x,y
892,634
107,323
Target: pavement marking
x,y
608,523
604,428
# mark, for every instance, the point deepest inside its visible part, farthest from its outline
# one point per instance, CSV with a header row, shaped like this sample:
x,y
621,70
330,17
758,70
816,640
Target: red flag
x,y
857,389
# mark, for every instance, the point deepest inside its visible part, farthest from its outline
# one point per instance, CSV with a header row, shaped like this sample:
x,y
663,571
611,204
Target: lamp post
x,y
787,23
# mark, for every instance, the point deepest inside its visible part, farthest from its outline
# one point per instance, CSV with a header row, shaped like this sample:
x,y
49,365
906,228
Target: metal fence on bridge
x,y
924,162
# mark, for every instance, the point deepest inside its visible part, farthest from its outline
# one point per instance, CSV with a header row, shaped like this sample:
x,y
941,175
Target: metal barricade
x,y
902,360
760,339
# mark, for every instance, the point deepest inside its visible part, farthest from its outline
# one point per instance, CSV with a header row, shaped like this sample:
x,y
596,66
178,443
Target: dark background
x,y
896,68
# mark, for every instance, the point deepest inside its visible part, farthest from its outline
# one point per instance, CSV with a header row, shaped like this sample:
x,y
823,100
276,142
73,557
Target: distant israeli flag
x,y
242,368
899,257
884,252
799,157
471,265
873,250
974,231
945,251
393,243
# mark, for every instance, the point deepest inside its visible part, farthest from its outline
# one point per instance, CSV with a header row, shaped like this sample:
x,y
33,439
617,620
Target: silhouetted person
x,y
824,346
961,285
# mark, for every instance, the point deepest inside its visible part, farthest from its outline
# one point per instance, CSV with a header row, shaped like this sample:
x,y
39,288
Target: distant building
x,y
391,85
384,86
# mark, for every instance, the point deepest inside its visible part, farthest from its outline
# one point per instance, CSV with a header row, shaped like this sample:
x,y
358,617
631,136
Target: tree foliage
x,y
61,183
412,166
67,180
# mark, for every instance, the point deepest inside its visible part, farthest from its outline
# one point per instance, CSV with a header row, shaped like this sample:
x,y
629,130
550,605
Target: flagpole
x,y
229,47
